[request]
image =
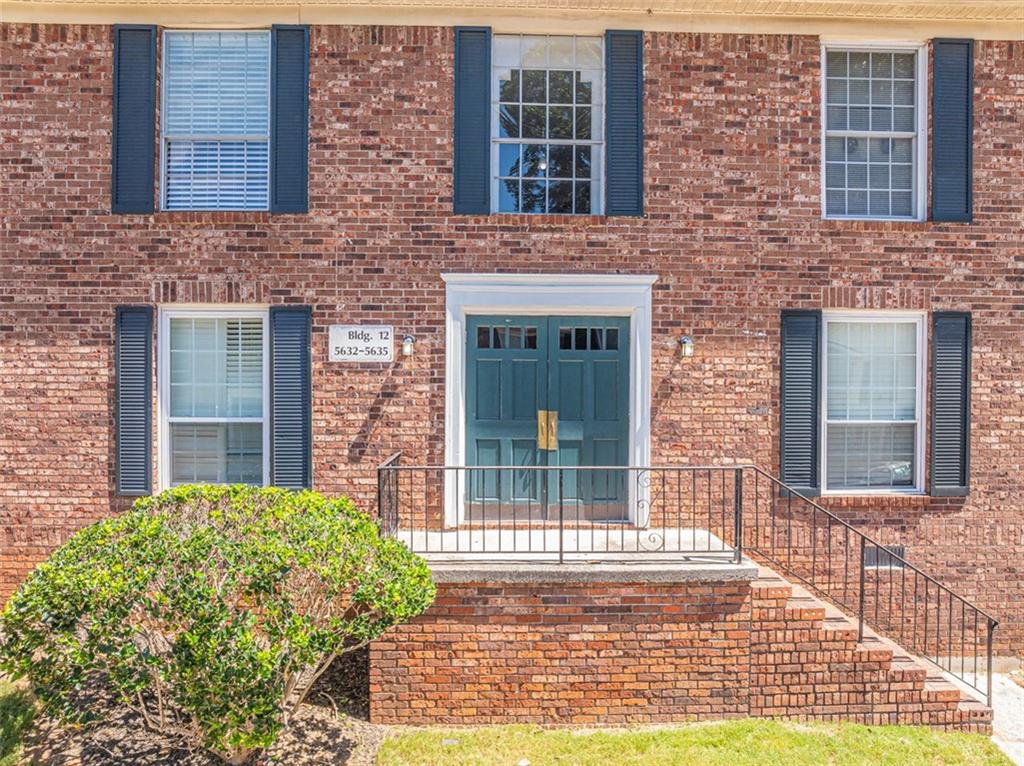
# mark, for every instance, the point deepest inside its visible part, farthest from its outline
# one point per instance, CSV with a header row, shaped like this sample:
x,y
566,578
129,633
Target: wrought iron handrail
x,y
772,521
899,601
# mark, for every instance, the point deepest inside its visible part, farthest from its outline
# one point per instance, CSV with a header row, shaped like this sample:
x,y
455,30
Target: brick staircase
x,y
806,662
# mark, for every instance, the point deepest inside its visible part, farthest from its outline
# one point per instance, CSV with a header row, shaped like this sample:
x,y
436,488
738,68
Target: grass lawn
x,y
16,714
726,743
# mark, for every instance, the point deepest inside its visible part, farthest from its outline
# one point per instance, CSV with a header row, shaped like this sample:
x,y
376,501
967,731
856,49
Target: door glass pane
x,y
612,338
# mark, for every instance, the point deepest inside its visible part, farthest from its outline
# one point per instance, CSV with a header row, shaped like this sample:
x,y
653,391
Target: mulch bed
x,y
331,728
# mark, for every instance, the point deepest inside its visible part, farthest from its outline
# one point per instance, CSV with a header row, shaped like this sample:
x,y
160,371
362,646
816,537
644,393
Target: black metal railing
x,y
563,513
869,580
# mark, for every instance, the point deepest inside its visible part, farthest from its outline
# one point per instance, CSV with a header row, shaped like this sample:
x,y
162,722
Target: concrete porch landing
x,y
578,544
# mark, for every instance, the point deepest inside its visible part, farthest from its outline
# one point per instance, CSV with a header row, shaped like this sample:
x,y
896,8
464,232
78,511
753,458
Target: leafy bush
x,y
209,610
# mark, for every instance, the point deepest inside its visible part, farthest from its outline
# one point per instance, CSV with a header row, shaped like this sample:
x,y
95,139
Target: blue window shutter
x,y
799,392
624,125
290,390
472,163
951,403
133,362
289,119
952,130
133,153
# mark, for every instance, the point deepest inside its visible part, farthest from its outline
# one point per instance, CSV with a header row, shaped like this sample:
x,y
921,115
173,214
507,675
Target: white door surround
x,y
545,294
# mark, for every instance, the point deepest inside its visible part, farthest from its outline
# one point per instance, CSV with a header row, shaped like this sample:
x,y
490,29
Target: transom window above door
x,y
547,124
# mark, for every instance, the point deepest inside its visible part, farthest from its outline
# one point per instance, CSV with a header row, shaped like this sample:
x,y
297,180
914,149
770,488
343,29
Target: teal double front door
x,y
547,391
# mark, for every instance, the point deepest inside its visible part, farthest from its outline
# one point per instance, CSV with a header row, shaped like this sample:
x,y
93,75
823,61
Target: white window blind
x,y
216,409
872,404
216,120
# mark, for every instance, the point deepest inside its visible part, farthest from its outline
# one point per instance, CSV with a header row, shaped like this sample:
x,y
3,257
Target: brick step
x,y
895,664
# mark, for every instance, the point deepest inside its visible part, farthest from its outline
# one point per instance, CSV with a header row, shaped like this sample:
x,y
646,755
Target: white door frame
x,y
628,295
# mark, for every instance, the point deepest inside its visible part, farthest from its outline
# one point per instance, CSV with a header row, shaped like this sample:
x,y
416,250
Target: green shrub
x,y
209,610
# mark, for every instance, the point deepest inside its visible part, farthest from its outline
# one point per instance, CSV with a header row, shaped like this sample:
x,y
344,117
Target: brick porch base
x,y
616,652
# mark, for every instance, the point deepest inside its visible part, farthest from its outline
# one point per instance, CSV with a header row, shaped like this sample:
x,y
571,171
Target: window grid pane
x,y
216,368
217,175
547,122
216,453
216,120
870,456
869,167
871,405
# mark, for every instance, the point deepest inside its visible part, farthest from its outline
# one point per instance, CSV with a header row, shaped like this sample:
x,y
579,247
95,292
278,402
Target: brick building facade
x,y
732,228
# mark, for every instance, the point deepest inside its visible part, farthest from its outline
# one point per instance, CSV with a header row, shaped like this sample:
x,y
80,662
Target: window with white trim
x,y
214,407
873,402
874,122
547,124
215,120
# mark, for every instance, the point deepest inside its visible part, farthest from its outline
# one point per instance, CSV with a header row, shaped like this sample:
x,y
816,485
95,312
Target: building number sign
x,y
354,343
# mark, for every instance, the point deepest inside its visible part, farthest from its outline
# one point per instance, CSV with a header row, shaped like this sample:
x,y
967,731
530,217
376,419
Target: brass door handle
x,y
547,429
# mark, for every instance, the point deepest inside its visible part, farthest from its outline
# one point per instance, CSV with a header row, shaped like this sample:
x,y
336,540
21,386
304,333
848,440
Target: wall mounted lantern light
x,y
686,345
408,343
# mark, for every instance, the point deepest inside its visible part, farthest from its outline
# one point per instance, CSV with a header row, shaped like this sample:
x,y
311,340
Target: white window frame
x,y
166,314
909,317
597,181
165,138
919,136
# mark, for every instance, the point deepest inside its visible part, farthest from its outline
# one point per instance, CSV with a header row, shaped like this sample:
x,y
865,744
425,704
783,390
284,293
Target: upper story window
x,y
874,133
547,124
215,120
874,382
214,403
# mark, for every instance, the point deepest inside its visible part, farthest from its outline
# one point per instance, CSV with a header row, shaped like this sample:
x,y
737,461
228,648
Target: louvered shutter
x,y
472,162
951,403
290,406
624,96
216,121
133,361
289,124
134,121
799,392
952,130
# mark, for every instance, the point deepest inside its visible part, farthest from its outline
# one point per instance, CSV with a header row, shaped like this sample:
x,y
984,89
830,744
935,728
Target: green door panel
x,y
506,384
573,365
588,378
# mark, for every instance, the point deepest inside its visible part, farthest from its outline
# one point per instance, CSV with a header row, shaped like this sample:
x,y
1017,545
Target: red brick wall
x,y
592,654
618,653
733,230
